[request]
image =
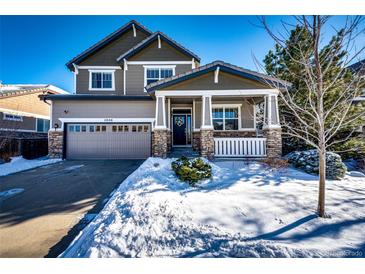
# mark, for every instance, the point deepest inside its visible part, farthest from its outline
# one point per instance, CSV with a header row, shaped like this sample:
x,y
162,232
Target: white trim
x,y
269,121
134,30
216,74
91,71
125,68
203,125
277,110
99,67
105,120
229,92
22,113
159,62
193,63
75,73
158,41
19,130
193,114
224,106
159,67
190,108
271,127
168,113
163,126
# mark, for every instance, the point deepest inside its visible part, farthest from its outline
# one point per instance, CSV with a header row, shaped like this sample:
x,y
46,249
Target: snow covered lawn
x,y
246,210
18,164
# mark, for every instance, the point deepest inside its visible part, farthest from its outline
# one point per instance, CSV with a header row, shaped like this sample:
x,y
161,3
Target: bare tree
x,y
316,121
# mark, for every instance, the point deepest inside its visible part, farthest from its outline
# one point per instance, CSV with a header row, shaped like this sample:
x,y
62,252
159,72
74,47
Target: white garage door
x,y
108,141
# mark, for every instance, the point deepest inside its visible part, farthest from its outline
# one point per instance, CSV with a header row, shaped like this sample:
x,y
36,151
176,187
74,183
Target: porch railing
x,y
240,147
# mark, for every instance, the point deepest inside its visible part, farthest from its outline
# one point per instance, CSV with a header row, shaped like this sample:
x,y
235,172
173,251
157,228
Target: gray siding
x,y
165,53
82,83
107,56
226,81
28,123
102,109
135,77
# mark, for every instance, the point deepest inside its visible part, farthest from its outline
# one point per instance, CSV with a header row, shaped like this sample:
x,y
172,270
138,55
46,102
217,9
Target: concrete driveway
x,y
42,220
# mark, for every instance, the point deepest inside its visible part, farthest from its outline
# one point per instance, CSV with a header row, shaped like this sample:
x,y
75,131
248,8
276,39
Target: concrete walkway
x,y
42,220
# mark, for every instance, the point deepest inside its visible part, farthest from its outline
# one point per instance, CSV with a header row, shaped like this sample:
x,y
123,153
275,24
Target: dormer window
x,y
154,73
101,80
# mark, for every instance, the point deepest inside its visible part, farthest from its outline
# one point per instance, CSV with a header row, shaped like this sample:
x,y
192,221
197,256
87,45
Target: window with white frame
x,y
154,74
101,80
12,117
42,125
225,117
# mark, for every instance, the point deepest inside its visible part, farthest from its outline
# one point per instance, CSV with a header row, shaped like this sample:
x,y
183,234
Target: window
x,y
91,128
12,117
101,80
42,125
114,128
83,128
154,74
225,118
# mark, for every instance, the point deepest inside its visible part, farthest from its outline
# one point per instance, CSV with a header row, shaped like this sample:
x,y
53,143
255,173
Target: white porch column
x,y
207,122
271,112
271,128
206,129
160,113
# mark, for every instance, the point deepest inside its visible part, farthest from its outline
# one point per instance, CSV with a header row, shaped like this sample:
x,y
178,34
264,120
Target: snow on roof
x,y
17,89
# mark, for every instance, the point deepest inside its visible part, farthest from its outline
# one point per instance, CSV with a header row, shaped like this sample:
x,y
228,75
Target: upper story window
x,y
154,74
226,117
12,117
101,80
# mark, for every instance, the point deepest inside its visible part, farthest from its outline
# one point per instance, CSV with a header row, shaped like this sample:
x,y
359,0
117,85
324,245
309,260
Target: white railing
x,y
240,147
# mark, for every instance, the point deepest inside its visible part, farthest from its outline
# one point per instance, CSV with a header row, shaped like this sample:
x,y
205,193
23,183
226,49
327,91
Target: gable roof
x,y
110,38
22,89
143,44
223,66
358,67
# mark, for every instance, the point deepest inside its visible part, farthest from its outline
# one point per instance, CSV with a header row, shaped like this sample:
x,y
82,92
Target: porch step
x,y
183,151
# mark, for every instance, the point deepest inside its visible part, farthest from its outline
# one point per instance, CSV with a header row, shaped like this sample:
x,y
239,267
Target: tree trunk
x,y
322,183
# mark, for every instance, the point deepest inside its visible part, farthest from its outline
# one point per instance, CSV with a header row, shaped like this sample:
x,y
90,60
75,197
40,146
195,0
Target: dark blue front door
x,y
179,130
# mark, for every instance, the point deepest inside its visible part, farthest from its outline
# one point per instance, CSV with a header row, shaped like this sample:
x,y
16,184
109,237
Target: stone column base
x,y
273,142
55,144
159,143
207,143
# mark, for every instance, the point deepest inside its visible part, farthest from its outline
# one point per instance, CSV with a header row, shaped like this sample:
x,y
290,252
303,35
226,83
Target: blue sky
x,y
34,49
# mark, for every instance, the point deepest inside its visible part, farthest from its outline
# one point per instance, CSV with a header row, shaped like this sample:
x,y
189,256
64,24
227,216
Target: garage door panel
x,y
118,142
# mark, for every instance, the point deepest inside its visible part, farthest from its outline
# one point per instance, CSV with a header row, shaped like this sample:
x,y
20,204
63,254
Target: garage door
x,y
108,141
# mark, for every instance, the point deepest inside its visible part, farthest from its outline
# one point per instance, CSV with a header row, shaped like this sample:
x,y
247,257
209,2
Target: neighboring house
x,y
140,93
22,114
359,68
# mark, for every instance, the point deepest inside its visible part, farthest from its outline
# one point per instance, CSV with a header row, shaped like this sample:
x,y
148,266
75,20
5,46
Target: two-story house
x,y
139,93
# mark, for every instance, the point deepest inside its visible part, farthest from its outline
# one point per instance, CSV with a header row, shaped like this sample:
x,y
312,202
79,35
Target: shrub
x,y
191,171
276,163
308,161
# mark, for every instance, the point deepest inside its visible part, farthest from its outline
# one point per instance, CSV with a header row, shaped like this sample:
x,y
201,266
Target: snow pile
x,y
18,164
245,210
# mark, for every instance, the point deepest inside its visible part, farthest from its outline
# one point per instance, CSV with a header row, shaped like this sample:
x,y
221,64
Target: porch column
x,y
206,129
159,138
272,128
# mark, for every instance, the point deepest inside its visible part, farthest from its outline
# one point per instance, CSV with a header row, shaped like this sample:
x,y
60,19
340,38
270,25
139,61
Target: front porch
x,y
217,124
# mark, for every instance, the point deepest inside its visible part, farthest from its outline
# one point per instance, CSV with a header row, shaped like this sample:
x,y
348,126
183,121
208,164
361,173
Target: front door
x,y
181,129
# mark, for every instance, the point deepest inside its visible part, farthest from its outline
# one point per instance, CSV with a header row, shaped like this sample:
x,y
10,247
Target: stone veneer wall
x,y
273,142
55,144
169,140
196,140
207,143
159,143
